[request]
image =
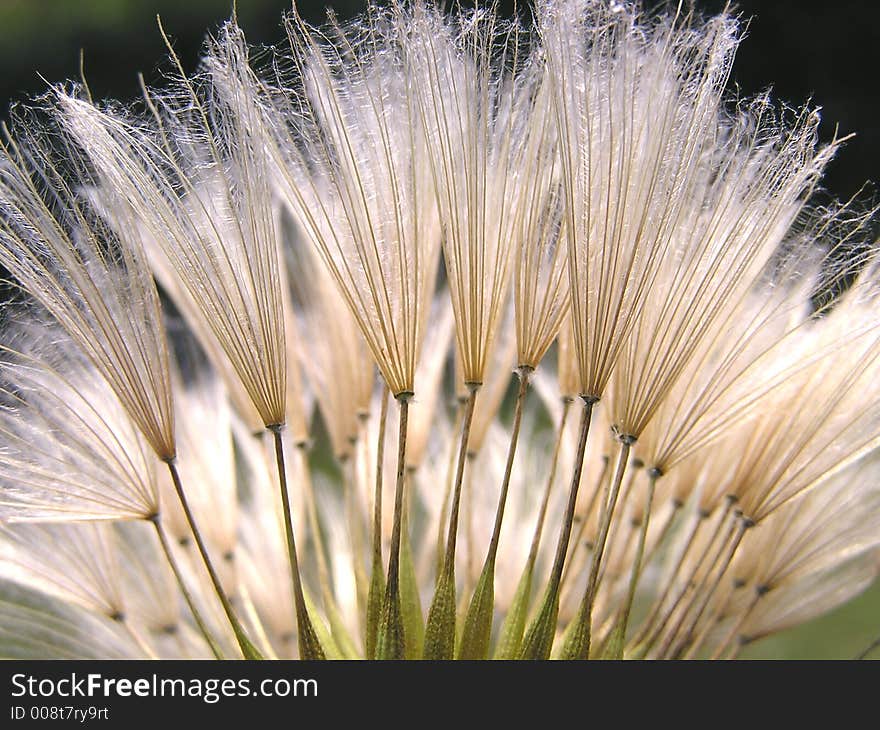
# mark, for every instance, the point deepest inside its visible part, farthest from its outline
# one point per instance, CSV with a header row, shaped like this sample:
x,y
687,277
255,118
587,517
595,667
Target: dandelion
x,y
230,267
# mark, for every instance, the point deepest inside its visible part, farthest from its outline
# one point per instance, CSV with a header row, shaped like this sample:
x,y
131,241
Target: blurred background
x,y
805,50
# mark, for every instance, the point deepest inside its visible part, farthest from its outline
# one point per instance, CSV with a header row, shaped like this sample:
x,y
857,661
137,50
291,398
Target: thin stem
x,y
743,524
690,585
873,645
187,596
309,646
331,609
578,646
390,643
616,527
539,639
440,627
568,519
410,602
648,622
449,555
573,565
640,551
513,627
523,373
649,555
651,551
377,491
315,526
699,598
478,621
619,542
738,624
377,578
257,626
736,650
248,649
713,621
651,624
551,478
467,517
355,519
444,511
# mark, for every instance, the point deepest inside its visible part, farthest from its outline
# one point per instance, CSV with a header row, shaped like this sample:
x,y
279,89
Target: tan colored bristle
x,y
94,285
